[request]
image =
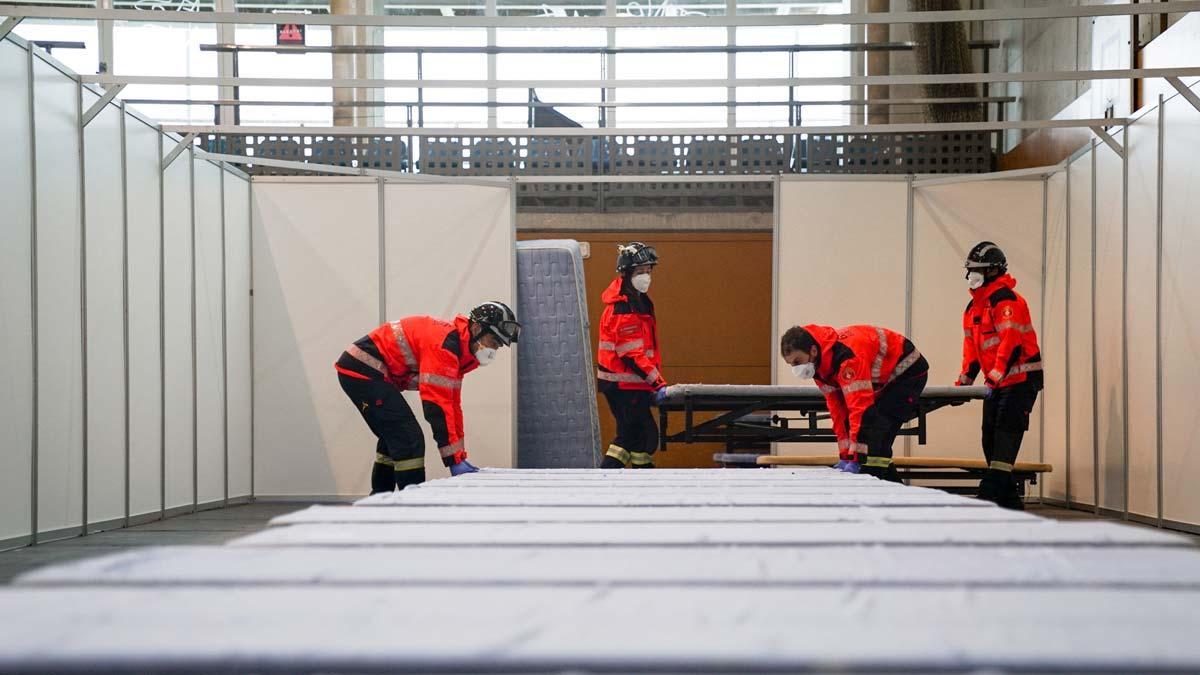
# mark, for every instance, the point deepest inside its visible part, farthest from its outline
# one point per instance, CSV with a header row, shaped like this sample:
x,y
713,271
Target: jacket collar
x,y
986,290
826,337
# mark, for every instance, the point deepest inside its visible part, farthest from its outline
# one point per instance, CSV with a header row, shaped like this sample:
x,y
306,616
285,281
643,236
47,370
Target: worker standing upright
x,y
629,359
429,355
999,340
872,379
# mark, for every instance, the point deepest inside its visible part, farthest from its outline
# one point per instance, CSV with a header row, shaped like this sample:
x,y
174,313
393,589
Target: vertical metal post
x,y
33,302
776,229
490,10
1158,313
125,297
1095,356
420,90
1042,320
909,271
731,67
610,73
250,258
162,334
1067,341
83,299
224,350
1125,314
195,361
380,193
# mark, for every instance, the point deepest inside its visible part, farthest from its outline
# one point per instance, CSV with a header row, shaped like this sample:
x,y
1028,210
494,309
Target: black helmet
x,y
635,254
499,320
986,256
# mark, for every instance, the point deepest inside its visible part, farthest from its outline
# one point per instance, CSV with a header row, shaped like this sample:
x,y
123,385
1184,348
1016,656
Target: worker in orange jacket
x,y
629,358
999,341
872,379
431,356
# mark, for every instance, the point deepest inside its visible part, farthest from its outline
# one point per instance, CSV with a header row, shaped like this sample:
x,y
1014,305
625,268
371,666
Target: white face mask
x,y
641,282
975,280
485,355
805,371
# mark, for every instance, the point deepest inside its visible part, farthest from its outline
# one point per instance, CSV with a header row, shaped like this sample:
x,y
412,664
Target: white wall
x,y
316,281
91,214
106,320
145,319
830,231
1053,340
237,272
210,396
465,236
16,368
947,221
1079,469
60,369
1110,388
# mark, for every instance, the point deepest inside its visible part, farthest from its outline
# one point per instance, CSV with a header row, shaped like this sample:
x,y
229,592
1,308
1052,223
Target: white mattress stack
x,y
736,570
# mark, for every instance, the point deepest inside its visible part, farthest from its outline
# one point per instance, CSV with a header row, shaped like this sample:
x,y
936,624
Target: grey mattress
x,y
557,420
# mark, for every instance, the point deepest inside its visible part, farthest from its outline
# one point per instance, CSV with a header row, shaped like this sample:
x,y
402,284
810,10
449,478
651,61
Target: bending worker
x,y
629,359
431,356
999,340
872,379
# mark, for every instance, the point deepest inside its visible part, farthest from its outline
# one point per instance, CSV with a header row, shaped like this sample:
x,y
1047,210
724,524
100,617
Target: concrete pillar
x,y
362,66
878,63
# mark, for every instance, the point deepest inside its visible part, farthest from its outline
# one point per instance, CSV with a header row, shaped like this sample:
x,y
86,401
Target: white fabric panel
x,y
316,286
1143,331
947,221
845,235
644,498
1053,339
337,629
177,214
210,446
60,371
1079,315
106,319
1181,313
1110,410
237,274
449,248
747,566
666,514
145,367
16,368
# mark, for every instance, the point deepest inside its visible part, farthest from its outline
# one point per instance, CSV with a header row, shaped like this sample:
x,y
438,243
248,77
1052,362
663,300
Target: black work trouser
x,y
1005,421
894,405
637,432
400,450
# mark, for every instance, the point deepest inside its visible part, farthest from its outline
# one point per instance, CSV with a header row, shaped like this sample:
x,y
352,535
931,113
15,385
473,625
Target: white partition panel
x,y
1080,370
316,290
841,260
450,247
210,404
104,196
1142,326
1181,313
180,441
948,220
237,275
60,368
1110,402
16,368
1054,339
145,363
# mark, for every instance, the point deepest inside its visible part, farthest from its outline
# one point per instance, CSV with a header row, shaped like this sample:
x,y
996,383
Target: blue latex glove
x,y
990,391
840,465
461,468
660,395
851,467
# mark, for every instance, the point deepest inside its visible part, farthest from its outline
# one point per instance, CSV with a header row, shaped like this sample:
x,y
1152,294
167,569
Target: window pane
x,y
170,50
84,60
266,64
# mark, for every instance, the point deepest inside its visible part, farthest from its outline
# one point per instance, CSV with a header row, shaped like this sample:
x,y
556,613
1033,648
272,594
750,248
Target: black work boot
x,y
383,478
1008,496
649,465
611,463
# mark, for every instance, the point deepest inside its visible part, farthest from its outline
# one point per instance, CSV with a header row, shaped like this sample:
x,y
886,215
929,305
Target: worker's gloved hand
x,y
840,465
461,468
851,467
990,391
660,395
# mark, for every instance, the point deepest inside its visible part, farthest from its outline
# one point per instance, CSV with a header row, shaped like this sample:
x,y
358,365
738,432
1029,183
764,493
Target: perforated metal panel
x,y
899,153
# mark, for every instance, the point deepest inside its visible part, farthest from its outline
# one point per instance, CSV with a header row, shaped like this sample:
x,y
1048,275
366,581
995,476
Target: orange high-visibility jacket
x,y
628,353
998,336
429,355
856,362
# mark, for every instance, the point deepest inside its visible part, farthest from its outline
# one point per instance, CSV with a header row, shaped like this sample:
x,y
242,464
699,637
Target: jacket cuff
x,y
451,460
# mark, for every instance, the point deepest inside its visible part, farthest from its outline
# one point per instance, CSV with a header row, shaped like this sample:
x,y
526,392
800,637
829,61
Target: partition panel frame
x,y
33,296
